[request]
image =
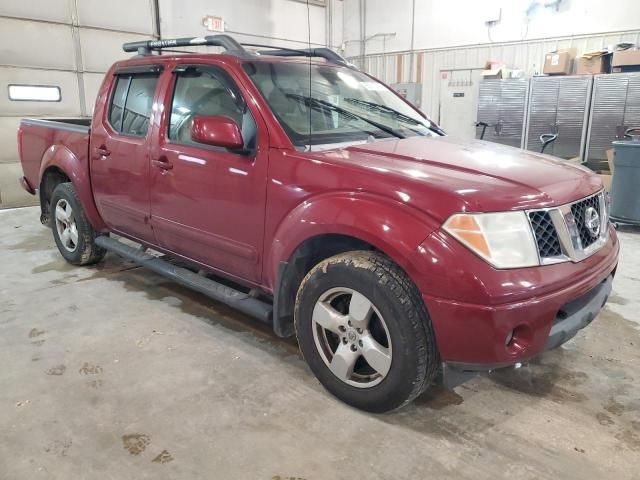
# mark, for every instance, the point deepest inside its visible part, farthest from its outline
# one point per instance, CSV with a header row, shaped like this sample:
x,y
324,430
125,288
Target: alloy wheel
x,y
66,225
352,337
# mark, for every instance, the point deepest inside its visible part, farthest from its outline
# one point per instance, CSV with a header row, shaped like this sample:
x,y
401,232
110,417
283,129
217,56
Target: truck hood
x,y
468,175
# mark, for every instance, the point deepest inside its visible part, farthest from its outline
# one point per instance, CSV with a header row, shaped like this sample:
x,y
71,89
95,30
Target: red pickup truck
x,y
309,195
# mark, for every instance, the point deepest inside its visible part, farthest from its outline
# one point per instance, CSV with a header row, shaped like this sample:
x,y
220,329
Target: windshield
x,y
344,106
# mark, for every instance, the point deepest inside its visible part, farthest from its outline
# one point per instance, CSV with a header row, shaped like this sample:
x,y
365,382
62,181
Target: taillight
x,y
20,143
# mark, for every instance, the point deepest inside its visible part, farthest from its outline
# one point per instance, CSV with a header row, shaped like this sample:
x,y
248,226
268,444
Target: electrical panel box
x,y
410,90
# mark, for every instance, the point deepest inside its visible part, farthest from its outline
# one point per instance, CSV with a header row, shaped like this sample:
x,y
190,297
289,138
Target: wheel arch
x,y
59,165
312,233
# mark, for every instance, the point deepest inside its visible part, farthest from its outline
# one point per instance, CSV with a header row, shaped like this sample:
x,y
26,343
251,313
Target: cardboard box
x,y
606,180
559,62
610,159
493,70
593,63
626,57
626,61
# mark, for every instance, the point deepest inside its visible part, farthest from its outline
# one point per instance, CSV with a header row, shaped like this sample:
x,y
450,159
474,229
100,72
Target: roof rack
x,y
326,53
146,47
232,46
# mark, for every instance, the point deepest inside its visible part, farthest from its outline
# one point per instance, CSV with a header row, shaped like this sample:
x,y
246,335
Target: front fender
x,y
77,170
392,227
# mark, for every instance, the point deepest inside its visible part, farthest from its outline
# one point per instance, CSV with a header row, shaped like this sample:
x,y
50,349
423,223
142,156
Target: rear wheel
x,y
74,235
364,331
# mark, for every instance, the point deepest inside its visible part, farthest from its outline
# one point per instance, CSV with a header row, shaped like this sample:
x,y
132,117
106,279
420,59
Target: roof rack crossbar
x,y
225,41
232,46
326,53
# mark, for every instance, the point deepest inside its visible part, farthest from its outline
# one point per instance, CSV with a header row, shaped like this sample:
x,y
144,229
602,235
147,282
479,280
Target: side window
x,y
116,108
207,92
130,108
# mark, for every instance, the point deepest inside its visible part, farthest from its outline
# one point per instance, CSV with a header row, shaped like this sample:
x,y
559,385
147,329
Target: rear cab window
x,y
131,102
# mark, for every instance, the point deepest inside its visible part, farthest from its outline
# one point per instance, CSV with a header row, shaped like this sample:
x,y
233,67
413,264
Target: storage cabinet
x,y
559,105
502,105
614,108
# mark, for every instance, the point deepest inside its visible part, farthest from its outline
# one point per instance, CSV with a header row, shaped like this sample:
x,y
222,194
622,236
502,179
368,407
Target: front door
x,y
207,203
120,154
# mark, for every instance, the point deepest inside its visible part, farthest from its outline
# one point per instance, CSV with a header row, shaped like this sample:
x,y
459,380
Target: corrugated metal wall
x,y
431,64
66,43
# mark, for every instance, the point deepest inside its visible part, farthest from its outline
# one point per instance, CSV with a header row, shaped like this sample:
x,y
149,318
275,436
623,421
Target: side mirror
x,y
218,131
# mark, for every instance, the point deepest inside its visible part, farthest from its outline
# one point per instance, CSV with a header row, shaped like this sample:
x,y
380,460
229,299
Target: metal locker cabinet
x,y
614,108
559,105
502,105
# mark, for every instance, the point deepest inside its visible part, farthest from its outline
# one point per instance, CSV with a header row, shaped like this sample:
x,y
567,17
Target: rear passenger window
x,y
131,101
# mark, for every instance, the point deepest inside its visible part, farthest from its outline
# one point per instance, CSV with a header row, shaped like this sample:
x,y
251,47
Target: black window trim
x,y
182,68
129,73
139,69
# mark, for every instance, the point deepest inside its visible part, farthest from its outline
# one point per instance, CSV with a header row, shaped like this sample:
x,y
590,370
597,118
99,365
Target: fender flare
x,y
390,226
77,170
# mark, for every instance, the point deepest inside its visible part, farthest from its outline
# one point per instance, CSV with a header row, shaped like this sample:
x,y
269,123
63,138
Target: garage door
x,y
53,56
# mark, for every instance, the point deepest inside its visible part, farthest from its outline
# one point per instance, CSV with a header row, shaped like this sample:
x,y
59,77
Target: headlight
x,y
505,240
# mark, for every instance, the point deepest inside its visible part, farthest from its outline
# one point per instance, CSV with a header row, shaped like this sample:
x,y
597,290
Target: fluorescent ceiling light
x,y
34,93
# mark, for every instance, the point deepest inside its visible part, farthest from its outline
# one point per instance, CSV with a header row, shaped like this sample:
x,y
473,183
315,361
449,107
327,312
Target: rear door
x,y
208,203
120,153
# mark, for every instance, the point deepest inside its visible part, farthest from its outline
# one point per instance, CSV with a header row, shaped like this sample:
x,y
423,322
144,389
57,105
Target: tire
x,y
74,235
387,355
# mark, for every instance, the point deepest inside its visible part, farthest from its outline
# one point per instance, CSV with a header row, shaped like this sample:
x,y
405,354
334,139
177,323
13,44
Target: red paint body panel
x,y
43,148
242,215
473,306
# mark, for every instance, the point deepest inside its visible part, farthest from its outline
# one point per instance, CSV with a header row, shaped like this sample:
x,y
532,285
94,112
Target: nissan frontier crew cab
x,y
307,194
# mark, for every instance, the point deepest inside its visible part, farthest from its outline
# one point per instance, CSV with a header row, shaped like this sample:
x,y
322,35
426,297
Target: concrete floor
x,y
113,372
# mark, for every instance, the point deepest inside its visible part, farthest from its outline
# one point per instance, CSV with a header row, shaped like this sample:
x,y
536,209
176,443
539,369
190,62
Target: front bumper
x,y
570,319
486,318
579,313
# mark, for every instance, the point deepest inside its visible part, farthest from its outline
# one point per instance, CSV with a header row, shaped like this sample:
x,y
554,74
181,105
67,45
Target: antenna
x,y
309,32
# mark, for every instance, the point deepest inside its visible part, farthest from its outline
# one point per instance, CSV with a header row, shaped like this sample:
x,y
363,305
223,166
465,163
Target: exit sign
x,y
213,24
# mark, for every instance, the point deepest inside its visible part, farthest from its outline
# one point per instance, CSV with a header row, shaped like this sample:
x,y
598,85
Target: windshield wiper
x,y
385,109
393,112
319,104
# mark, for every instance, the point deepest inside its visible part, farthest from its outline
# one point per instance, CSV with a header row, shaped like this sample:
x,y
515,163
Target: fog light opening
x,y
518,339
509,337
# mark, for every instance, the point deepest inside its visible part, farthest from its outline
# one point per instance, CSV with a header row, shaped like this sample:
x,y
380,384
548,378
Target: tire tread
x,y
391,276
91,253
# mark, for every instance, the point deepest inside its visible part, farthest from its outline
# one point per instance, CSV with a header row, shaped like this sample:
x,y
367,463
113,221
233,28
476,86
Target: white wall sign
x,y
213,24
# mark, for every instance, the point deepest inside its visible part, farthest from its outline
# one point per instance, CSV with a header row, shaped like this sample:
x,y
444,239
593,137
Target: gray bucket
x,y
625,186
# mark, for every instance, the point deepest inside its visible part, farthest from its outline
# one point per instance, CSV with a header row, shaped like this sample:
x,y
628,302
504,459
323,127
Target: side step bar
x,y
241,301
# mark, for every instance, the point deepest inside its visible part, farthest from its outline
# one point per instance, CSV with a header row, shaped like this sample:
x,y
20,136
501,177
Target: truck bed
x,y
38,138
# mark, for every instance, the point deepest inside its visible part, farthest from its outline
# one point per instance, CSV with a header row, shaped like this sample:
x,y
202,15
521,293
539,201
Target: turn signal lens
x,y
466,229
505,240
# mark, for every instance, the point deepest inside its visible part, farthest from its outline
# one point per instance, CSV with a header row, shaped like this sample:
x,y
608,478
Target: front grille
x,y
578,210
546,235
570,232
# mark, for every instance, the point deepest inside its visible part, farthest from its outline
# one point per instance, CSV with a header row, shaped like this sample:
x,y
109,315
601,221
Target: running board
x,y
241,301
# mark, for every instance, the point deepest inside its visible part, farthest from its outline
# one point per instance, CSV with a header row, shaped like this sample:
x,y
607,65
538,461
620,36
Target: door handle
x,y
102,151
162,164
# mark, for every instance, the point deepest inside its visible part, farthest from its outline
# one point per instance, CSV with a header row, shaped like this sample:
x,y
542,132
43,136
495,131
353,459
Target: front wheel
x,y
364,331
74,235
